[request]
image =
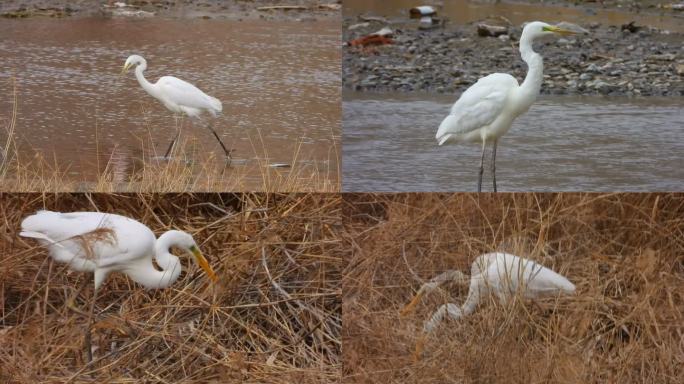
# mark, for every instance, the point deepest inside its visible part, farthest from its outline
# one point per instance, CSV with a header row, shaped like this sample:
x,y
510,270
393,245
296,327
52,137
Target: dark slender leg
x,y
168,151
88,339
226,151
494,165
479,179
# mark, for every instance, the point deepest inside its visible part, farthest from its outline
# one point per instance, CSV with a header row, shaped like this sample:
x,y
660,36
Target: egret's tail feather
x,y
446,129
36,235
215,104
37,222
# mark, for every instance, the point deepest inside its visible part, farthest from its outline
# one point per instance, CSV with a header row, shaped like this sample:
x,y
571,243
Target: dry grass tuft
x,y
625,253
274,316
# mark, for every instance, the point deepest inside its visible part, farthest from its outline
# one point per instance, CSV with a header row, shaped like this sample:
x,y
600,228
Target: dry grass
x,y
625,253
188,170
274,316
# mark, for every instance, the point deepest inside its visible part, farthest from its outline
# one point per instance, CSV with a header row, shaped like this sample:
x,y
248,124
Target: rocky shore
x,y
296,10
627,60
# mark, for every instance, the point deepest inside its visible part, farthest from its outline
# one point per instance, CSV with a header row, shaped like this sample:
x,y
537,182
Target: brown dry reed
x,y
274,316
23,169
624,252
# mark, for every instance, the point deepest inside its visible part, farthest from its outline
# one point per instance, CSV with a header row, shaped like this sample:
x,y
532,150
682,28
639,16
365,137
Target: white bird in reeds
x,y
178,96
487,109
500,274
103,243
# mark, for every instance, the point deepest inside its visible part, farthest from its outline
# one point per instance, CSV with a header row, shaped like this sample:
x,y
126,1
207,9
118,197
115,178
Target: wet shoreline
x,y
236,10
609,60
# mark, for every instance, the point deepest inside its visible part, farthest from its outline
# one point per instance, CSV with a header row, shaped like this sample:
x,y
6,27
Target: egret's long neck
x,y
535,71
150,277
147,86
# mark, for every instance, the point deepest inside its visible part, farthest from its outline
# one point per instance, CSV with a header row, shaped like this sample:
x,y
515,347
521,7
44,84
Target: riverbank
x,y
628,59
295,10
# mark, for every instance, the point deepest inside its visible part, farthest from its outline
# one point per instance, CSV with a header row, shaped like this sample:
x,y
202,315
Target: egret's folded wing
x,y
183,93
83,235
477,107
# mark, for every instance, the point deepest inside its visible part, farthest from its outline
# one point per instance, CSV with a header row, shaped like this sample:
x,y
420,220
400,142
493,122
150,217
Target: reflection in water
x,y
279,83
461,12
565,143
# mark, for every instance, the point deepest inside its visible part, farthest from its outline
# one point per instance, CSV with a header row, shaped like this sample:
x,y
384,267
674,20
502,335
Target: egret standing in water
x,y
486,110
103,243
501,274
179,96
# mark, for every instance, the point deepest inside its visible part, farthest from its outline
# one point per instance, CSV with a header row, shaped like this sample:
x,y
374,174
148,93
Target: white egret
x,y
179,96
501,274
486,110
103,243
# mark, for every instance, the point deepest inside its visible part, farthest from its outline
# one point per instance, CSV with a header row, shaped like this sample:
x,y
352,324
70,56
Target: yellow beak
x,y
560,31
125,68
202,261
410,307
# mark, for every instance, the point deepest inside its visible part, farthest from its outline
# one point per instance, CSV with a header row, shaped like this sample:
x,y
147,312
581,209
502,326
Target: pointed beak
x,y
125,68
560,31
202,262
410,307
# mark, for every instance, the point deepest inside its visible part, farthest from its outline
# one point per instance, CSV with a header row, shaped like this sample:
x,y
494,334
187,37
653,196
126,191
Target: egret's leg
x,y
71,301
175,138
226,151
494,165
88,339
479,179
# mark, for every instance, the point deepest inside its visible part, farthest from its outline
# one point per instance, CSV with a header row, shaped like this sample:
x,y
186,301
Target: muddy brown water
x,y
461,12
563,143
279,83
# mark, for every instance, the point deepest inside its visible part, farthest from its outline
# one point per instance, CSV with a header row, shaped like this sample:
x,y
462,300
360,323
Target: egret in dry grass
x,y
179,96
500,274
103,243
486,110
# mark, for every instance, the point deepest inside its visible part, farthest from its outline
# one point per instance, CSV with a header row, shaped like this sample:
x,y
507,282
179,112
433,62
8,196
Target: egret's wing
x,y
477,107
185,94
100,238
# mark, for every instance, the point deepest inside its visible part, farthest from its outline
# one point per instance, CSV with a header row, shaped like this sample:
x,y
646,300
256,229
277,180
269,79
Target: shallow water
x,y
279,83
563,143
460,12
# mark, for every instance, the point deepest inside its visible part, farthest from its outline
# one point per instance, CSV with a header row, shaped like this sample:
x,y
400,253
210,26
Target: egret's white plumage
x,y
486,110
500,274
177,95
103,243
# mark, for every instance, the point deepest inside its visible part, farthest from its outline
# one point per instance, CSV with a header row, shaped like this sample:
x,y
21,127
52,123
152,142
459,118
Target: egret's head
x,y
538,29
187,243
132,61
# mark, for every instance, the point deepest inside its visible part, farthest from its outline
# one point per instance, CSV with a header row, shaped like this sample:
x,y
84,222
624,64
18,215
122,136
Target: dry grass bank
x,y
274,315
624,252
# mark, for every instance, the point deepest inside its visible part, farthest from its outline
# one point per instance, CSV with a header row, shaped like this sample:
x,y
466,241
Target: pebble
x,y
450,59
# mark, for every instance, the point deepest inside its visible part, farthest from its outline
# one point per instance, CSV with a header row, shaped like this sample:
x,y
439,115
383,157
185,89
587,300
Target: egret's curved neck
x,y
535,71
454,311
150,277
147,86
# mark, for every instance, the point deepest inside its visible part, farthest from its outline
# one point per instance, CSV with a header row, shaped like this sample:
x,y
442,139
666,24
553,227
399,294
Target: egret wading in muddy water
x,y
486,110
178,96
103,243
500,274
